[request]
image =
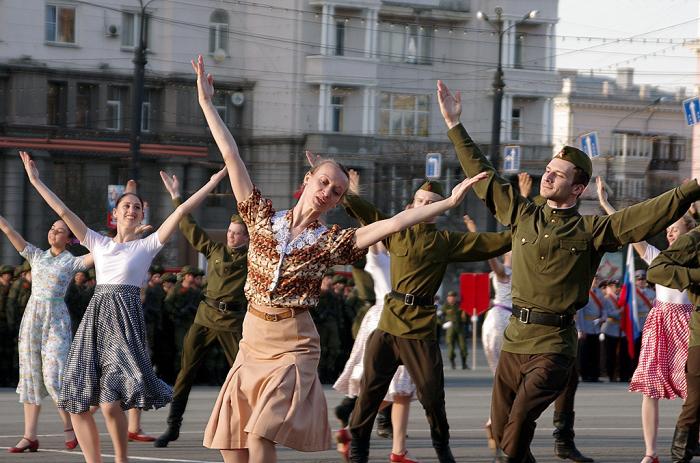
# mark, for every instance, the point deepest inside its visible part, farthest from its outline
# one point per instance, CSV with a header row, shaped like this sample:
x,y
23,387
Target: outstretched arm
x,y
15,238
238,174
641,247
377,231
677,267
171,223
76,225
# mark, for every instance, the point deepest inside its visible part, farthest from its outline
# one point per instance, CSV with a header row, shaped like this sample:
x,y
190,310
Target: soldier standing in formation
x,y
6,342
219,314
456,318
17,299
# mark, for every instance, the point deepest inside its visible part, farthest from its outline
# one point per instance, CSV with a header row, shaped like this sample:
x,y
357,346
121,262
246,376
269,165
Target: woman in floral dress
x,y
272,394
45,331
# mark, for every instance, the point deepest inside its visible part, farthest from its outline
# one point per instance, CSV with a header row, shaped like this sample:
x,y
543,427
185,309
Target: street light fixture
x,y
498,83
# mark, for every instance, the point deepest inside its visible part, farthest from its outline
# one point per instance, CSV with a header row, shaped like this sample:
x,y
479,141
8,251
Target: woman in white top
x,y
401,390
660,373
108,364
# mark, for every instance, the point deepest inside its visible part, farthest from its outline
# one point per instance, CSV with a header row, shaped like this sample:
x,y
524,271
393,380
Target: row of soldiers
x,y
15,289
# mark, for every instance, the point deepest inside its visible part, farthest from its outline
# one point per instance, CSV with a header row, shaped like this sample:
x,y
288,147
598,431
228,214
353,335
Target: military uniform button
x,y
523,240
573,249
541,257
546,236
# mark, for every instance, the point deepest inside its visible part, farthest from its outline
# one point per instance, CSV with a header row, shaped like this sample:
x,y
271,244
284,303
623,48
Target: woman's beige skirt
x,y
272,390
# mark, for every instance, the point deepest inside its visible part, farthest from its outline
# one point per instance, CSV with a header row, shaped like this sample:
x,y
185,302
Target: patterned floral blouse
x,y
52,274
284,272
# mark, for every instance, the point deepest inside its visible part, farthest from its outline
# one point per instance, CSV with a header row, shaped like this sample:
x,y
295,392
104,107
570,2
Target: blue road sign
x,y
433,165
691,108
589,144
511,158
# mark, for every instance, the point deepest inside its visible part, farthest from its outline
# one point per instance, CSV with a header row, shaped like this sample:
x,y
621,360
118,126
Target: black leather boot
x,y
343,410
564,446
682,446
444,453
177,409
384,427
359,450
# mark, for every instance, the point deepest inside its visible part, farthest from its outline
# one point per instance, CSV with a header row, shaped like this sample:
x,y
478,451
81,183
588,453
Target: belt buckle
x,y
222,307
408,299
524,315
271,317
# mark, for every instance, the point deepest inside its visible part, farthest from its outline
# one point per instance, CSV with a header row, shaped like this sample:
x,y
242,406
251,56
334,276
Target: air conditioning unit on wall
x,y
111,30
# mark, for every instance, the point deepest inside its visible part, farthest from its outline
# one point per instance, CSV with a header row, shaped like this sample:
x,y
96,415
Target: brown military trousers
x,y
423,360
524,386
690,413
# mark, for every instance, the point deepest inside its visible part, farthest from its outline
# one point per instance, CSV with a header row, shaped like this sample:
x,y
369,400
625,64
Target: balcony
x,y
341,70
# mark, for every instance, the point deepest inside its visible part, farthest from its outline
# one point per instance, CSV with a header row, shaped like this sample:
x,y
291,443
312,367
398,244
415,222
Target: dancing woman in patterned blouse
x,y
272,394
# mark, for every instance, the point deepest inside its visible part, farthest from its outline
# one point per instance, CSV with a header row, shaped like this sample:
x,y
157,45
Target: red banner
x,y
475,293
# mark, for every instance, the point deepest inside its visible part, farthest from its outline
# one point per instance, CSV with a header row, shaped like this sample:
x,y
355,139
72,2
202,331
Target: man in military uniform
x,y
220,313
556,253
17,299
406,331
327,318
181,304
455,330
678,267
153,303
77,298
163,349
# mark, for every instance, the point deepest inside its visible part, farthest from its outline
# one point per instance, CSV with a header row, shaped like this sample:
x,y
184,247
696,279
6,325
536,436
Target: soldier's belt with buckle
x,y
223,307
412,299
275,317
528,316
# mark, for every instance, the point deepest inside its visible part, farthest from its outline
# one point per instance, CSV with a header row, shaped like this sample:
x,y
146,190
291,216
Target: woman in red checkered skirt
x,y
660,373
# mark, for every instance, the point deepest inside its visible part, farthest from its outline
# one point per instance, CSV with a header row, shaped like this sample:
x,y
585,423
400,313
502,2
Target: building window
x,y
115,104
336,113
515,123
85,106
631,144
60,24
220,103
146,111
340,38
518,51
218,31
56,104
402,114
131,24
408,44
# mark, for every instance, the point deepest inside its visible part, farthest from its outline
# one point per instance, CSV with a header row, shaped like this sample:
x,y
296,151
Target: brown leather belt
x,y
528,316
275,317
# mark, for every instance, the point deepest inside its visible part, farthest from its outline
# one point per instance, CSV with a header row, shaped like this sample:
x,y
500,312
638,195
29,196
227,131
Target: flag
x,y
629,320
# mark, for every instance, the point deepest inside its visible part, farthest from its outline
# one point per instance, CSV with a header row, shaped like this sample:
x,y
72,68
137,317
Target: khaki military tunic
x,y
556,252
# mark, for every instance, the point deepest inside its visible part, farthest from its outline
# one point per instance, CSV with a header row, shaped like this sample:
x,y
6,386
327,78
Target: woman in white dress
x,y
108,363
45,331
401,390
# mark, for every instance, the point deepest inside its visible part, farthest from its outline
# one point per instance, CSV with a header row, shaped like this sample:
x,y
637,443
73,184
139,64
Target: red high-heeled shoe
x,y
343,439
403,458
71,444
140,436
32,447
654,458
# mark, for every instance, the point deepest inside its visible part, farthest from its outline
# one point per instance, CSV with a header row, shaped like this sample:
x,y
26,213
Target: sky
x,y
656,51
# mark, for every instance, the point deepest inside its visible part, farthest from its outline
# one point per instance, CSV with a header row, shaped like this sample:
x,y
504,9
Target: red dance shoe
x,y
71,444
32,447
652,458
140,436
343,439
403,458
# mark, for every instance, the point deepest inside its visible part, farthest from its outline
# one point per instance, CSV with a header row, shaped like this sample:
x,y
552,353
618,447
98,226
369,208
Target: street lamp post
x,y
137,93
498,82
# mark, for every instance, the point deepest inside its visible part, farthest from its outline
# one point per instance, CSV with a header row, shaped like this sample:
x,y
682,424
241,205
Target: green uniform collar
x,y
551,213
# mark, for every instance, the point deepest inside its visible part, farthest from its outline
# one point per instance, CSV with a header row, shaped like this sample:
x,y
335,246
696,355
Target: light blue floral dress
x,y
45,331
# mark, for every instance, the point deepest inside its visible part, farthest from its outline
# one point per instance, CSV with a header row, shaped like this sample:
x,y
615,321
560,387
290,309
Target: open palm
x,y
205,82
29,165
460,191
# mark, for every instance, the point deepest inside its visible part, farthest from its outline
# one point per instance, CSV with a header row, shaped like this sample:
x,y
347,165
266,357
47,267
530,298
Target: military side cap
x,y
235,218
433,187
188,270
156,269
6,269
351,282
452,293
576,157
169,277
339,279
640,274
329,273
200,272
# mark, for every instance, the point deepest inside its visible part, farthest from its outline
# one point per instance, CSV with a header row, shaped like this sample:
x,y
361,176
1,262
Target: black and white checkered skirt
x,y
108,359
